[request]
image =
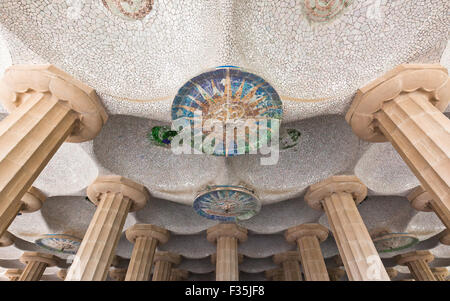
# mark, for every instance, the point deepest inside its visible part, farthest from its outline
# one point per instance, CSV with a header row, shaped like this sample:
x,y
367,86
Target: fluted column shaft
x,y
291,270
33,271
29,137
312,259
420,270
360,258
227,268
96,251
421,135
141,259
162,271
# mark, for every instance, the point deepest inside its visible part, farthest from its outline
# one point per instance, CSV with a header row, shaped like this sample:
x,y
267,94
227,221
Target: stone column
x,y
336,274
440,274
417,262
308,238
405,107
421,200
36,263
275,275
163,265
227,237
178,275
13,274
145,239
115,197
445,237
338,196
62,274
290,262
117,274
392,273
6,240
47,107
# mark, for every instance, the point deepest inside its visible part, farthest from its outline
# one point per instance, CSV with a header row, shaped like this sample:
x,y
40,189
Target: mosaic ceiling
x,y
138,54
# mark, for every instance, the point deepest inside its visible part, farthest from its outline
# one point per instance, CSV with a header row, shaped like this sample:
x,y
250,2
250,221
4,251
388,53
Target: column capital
x,y
392,272
167,256
420,199
214,258
20,80
32,200
13,273
137,193
440,272
424,255
62,274
226,230
180,274
117,274
336,184
286,256
445,238
6,240
336,273
431,80
316,230
147,230
274,273
49,259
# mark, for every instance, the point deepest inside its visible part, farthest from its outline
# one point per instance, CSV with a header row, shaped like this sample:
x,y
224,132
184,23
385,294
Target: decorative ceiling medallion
x,y
227,203
325,10
227,97
392,242
161,136
59,243
129,9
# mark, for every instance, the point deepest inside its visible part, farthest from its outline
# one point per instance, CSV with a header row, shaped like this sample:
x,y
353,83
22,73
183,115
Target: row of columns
x,y
48,107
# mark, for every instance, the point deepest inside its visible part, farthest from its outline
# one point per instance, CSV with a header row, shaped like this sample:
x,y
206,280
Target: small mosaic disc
x,y
129,9
289,138
226,98
161,136
392,242
227,203
59,243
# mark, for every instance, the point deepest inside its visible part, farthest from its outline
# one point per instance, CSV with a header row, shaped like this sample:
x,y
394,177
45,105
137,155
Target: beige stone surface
x,y
117,274
178,275
114,196
145,238
441,273
164,261
336,274
337,197
36,263
290,263
417,262
276,274
308,238
13,274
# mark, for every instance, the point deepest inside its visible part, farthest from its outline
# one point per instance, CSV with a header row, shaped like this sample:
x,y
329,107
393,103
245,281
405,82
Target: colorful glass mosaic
x,y
59,243
129,9
392,242
227,203
228,96
289,138
325,10
161,136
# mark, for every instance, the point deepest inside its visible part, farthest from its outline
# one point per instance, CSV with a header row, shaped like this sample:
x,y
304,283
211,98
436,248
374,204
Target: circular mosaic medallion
x,y
325,10
392,242
230,110
129,9
59,243
227,203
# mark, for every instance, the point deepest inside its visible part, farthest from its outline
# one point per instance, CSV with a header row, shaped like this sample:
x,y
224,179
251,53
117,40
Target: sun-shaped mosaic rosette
x,y
227,203
229,96
59,243
129,9
392,242
325,10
